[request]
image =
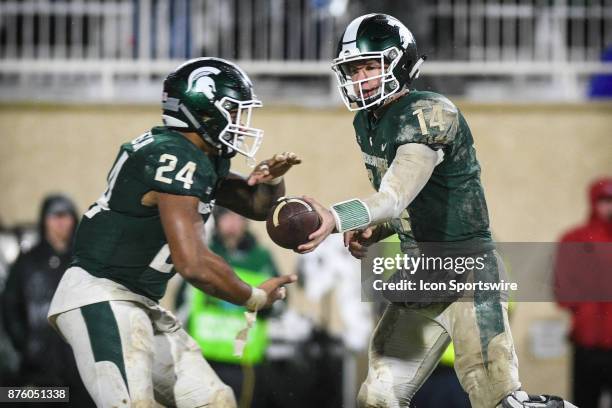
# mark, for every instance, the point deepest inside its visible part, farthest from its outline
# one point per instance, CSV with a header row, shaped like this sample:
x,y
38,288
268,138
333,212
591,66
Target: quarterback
x,y
419,154
148,224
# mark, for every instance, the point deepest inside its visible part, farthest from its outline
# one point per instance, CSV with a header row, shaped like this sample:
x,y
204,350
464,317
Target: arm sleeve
x,y
405,178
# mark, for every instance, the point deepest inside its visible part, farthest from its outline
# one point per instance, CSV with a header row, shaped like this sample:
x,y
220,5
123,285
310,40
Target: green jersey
x,y
451,207
122,239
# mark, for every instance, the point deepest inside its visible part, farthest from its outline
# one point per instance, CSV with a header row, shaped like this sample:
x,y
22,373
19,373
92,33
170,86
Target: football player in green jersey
x,y
419,154
150,222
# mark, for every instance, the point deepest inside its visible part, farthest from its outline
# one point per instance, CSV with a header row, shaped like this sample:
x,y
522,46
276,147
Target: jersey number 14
x,y
436,119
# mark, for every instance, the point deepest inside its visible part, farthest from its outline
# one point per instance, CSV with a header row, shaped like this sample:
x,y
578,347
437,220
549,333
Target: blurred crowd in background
x,y
284,345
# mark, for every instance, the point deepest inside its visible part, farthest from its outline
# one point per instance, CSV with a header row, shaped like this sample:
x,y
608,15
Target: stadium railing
x,y
110,42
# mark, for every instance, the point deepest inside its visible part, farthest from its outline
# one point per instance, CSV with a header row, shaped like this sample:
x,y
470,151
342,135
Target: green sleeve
x,y
430,119
173,169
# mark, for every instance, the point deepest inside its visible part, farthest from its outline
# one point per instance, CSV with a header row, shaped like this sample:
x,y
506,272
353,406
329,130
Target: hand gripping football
x,y
291,221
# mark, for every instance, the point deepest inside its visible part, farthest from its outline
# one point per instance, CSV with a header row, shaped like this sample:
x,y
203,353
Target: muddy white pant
x,y
409,341
129,355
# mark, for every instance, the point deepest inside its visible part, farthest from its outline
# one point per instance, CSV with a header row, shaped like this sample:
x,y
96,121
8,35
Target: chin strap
x,y
199,128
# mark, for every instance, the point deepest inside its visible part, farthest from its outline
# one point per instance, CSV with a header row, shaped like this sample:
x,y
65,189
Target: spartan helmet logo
x,y
200,81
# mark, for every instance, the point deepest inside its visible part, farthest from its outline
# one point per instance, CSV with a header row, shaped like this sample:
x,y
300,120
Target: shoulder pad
x,y
425,117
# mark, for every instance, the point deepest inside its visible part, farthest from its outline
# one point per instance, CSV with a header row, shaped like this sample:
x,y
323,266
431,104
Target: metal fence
x,y
110,41
524,33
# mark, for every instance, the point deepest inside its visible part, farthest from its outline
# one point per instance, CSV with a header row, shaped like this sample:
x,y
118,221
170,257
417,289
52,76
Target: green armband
x,y
350,215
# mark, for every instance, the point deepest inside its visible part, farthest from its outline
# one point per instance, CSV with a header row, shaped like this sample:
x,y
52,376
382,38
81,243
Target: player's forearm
x,y
265,197
253,202
184,230
405,178
212,275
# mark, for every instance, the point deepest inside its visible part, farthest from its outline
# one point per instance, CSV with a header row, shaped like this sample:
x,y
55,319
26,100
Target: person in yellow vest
x,y
214,323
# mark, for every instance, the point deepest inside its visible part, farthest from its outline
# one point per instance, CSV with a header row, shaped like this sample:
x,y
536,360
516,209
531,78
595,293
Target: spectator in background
x,y
580,272
214,323
331,278
8,359
45,359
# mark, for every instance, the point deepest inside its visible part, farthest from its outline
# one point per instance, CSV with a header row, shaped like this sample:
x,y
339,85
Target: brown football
x,y
291,221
